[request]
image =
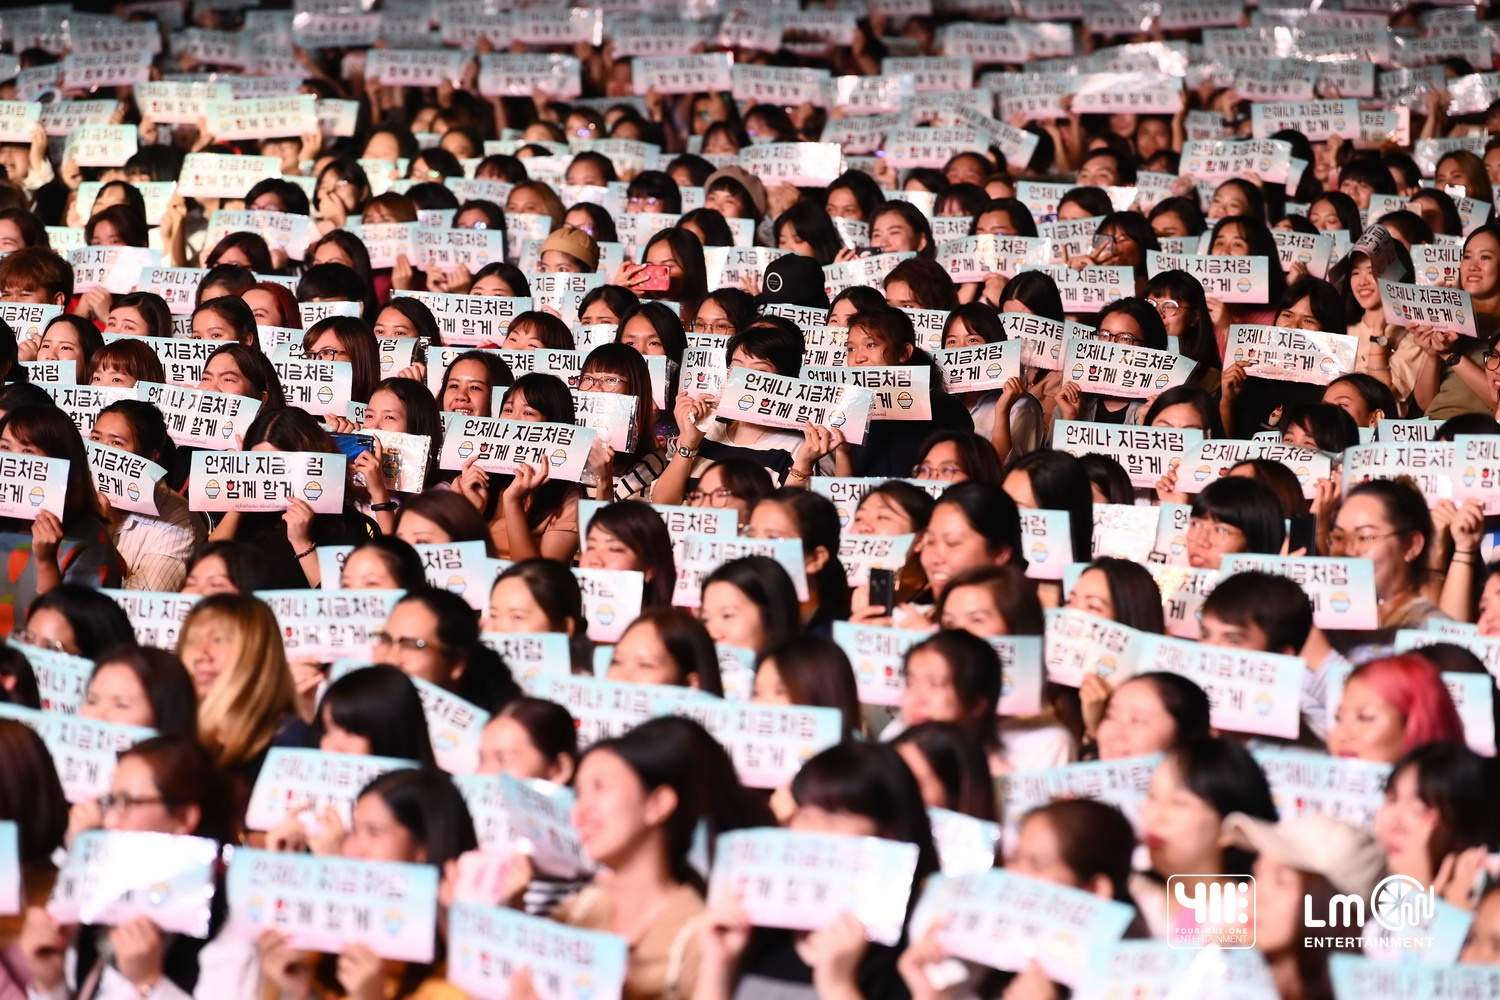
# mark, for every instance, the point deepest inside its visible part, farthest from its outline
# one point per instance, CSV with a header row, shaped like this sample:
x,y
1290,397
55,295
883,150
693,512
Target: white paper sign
x,y
200,419
266,480
1289,355
1121,370
115,269
803,881
503,445
1342,590
1446,310
327,903
1228,279
768,400
127,480
1008,921
114,876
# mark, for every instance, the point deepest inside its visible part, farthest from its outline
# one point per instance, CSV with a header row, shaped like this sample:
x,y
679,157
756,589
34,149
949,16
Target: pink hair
x,y
1412,685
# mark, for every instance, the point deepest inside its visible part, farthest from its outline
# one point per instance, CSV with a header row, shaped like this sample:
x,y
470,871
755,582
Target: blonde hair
x,y
241,711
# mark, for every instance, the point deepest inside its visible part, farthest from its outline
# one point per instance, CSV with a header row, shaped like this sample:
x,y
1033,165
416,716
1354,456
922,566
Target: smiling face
x,y
115,694
1135,723
1091,594
514,609
515,407
128,321
893,234
223,374
640,657
467,389
1232,241
950,545
878,514
61,342
1479,273
208,649
731,618
614,814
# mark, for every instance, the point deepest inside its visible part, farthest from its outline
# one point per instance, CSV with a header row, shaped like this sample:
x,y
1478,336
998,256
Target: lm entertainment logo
x,y
1399,904
1211,910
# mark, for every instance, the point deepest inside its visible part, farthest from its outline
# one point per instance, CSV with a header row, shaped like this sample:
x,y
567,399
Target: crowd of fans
x,y
887,499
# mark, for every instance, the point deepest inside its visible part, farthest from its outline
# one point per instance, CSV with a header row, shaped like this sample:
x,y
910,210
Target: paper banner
x,y
266,480
803,881
328,903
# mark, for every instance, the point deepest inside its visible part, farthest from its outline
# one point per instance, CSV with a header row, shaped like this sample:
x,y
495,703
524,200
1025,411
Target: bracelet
x,y
388,505
303,555
794,474
1372,368
1463,562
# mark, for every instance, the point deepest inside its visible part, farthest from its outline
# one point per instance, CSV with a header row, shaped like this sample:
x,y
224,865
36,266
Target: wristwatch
x,y
1451,360
684,452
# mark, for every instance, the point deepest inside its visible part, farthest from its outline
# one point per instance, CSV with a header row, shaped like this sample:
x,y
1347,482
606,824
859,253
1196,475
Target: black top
x,y
772,970
892,448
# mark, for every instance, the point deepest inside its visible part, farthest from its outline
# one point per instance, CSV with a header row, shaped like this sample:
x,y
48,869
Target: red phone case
x,y
658,278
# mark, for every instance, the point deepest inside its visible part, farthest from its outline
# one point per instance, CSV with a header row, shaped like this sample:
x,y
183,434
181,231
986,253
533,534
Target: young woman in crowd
x,y
629,535
853,789
154,547
1392,706
750,603
51,550
410,816
231,646
433,635
666,646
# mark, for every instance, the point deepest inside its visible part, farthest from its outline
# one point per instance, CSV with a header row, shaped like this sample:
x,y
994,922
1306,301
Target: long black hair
x,y
381,704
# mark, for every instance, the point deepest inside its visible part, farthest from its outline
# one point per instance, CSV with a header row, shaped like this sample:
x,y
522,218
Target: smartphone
x,y
658,278
354,445
866,251
1303,535
883,588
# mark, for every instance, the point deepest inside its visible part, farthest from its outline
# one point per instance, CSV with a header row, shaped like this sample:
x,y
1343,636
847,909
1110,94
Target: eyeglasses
x,y
716,498
946,471
26,637
326,354
124,802
1127,339
406,642
1342,541
719,326
327,189
480,225
1492,360
638,200
594,383
1166,307
1220,531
